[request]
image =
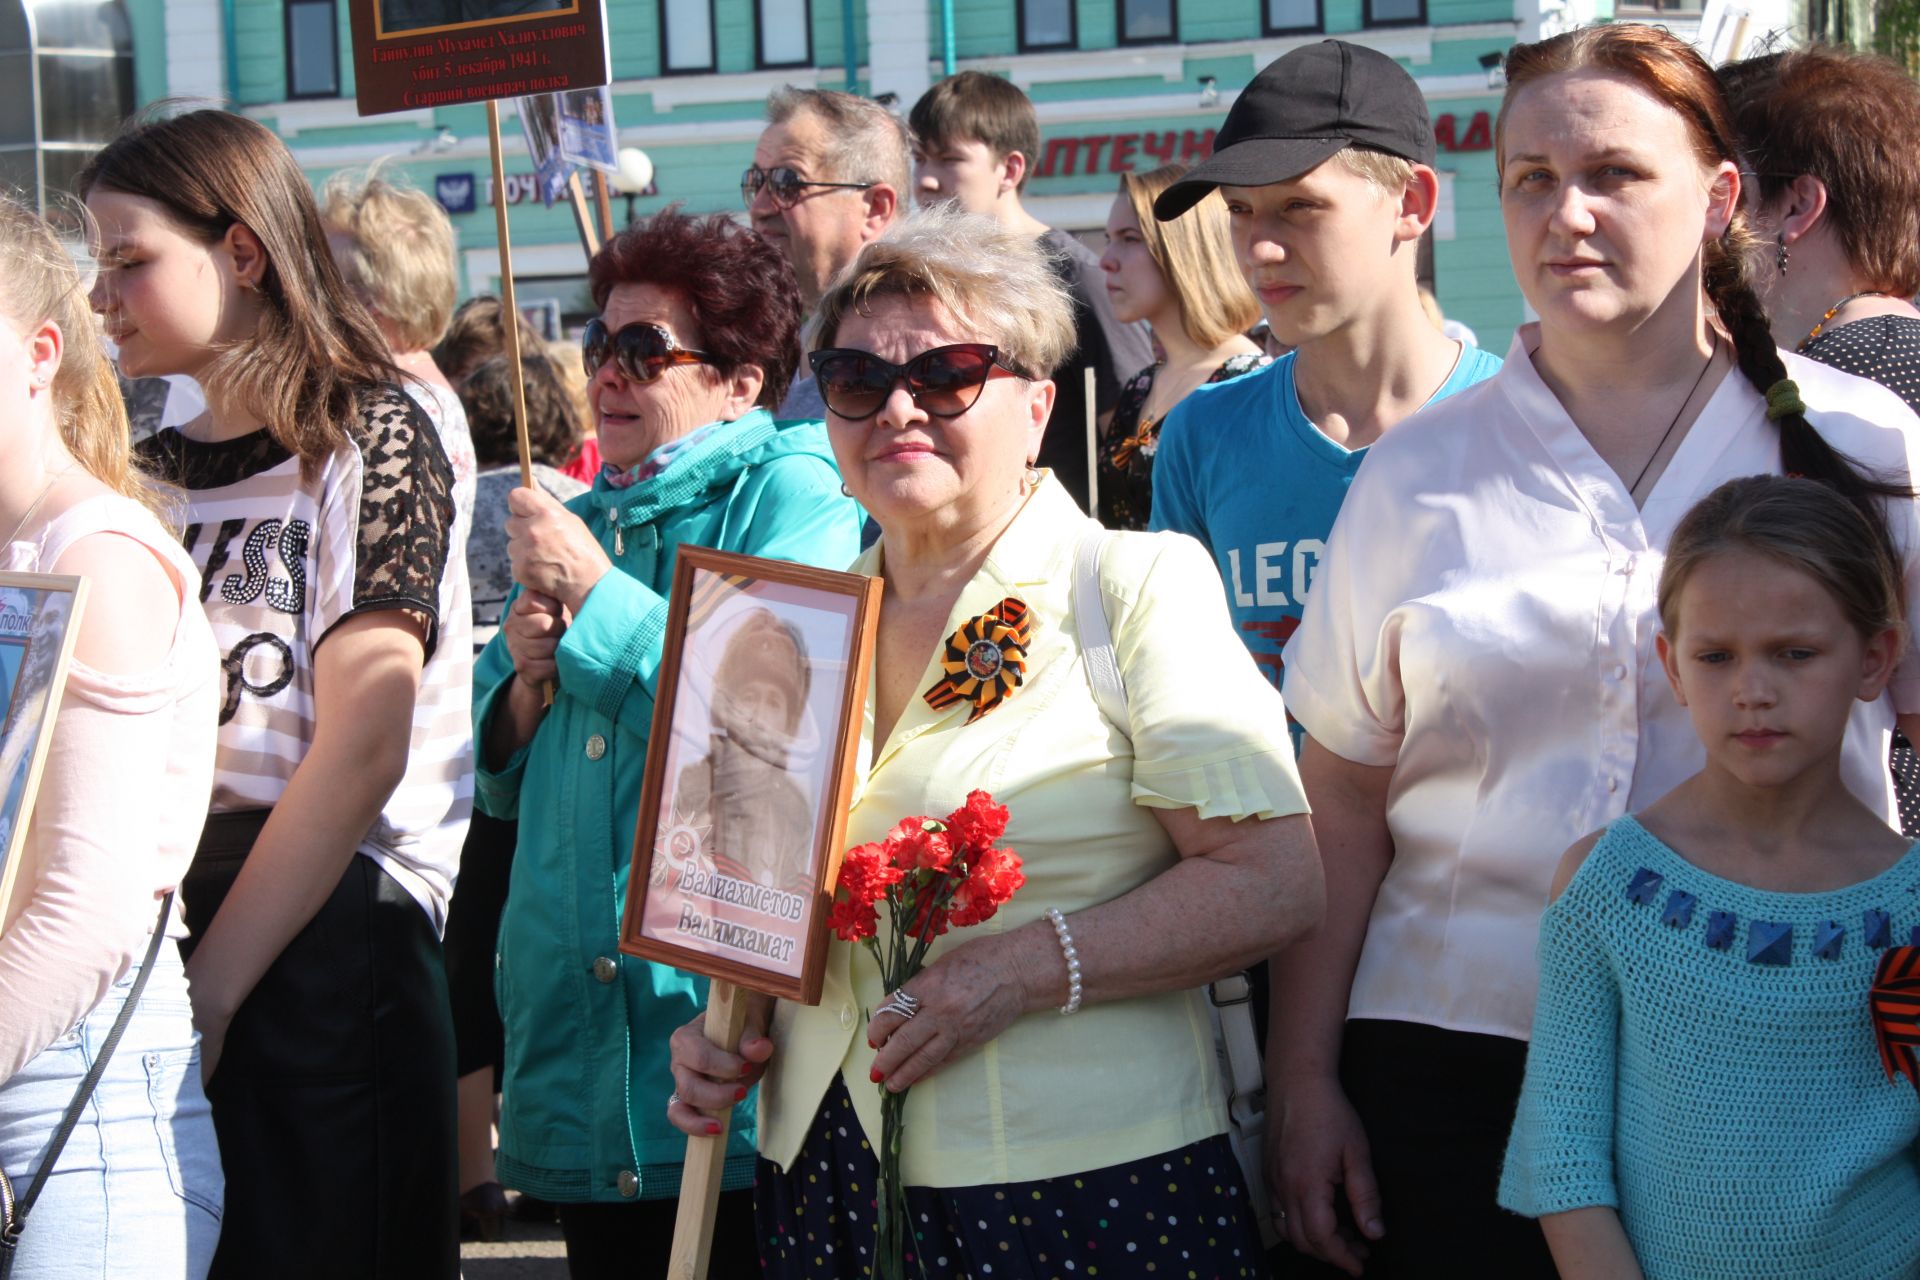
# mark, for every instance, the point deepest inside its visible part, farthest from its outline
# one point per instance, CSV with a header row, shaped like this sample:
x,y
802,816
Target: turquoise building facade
x,y
1118,84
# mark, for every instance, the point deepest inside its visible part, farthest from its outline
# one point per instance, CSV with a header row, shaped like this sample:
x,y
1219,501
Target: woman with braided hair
x,y
1476,670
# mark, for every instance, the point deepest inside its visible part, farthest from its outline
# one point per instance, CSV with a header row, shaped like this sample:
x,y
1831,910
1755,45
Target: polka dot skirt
x,y
1178,1216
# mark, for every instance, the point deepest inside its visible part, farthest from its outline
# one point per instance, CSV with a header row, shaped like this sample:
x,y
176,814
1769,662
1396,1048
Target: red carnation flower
x,y
866,872
856,872
993,878
853,921
919,844
976,824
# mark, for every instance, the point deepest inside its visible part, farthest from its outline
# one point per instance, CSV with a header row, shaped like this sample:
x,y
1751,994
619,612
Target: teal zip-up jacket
x,y
583,1108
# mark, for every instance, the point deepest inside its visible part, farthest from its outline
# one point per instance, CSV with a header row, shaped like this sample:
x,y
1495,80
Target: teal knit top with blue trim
x,y
1703,1060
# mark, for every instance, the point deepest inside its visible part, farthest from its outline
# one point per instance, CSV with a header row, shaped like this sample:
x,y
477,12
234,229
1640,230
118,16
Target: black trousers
x,y
473,929
635,1241
334,1096
1437,1106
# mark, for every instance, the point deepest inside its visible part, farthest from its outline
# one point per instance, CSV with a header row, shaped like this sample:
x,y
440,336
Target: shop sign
x,y
1122,152
1092,153
454,191
1477,136
457,192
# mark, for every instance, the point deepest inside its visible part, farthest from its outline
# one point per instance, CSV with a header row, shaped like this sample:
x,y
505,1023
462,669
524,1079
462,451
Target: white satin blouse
x,y
1484,622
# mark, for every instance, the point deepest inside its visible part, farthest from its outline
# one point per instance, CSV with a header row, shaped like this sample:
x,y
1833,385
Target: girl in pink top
x,y
137,1189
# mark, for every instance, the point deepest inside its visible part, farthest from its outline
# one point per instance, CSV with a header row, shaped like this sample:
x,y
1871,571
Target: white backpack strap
x,y
1096,633
1232,999
1231,996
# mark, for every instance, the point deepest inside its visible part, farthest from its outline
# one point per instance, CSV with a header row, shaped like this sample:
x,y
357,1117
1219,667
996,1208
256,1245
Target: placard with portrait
x,y
762,686
39,618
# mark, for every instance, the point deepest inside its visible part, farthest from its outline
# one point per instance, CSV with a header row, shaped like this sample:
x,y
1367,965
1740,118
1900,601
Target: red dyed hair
x,y
1667,69
740,288
1852,121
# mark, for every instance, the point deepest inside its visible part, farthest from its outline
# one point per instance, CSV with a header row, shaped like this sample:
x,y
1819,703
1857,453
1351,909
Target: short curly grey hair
x,y
1002,284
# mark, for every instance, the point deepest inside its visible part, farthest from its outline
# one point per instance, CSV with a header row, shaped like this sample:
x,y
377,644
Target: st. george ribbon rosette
x,y
985,659
1896,1012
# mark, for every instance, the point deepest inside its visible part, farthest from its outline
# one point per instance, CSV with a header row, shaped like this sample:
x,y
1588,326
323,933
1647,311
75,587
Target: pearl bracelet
x,y
1073,960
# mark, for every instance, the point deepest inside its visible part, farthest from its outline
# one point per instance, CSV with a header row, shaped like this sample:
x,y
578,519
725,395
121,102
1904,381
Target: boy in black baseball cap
x,y
1326,165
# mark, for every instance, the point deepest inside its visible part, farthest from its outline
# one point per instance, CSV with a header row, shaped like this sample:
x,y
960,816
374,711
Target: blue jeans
x,y
137,1191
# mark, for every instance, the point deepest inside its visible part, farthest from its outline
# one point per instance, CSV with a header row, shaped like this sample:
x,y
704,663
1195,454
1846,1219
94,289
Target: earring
x,y
1030,480
844,491
1781,241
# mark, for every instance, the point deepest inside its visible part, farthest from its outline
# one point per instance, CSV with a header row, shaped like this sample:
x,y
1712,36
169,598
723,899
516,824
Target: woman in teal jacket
x,y
698,334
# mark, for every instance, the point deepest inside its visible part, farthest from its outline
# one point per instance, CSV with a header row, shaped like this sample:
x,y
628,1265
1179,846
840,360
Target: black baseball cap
x,y
1301,109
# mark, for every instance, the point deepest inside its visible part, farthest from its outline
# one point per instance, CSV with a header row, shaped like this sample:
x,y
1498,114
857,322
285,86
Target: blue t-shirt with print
x,y
1240,467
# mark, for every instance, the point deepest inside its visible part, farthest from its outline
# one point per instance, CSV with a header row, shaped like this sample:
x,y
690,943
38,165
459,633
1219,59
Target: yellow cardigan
x,y
1122,1079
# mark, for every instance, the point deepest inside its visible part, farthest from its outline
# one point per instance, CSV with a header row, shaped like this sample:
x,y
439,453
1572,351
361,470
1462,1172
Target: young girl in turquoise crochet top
x,y
1705,1094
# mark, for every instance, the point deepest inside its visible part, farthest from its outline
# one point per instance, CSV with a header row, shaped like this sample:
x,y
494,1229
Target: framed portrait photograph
x,y
762,685
409,54
587,132
39,618
565,131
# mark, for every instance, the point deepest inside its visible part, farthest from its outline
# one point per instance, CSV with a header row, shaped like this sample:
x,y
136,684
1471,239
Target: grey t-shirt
x,y
803,397
1115,352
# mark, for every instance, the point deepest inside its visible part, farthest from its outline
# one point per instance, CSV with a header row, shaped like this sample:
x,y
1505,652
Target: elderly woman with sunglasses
x,y
1063,1118
698,325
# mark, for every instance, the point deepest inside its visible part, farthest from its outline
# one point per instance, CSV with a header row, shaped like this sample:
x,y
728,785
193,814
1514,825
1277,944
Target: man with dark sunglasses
x,y
828,175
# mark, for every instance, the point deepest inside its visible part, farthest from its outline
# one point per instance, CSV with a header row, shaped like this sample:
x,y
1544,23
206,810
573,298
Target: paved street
x,y
529,1253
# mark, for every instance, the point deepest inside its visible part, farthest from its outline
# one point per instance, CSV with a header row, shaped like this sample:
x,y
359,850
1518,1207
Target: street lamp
x,y
633,175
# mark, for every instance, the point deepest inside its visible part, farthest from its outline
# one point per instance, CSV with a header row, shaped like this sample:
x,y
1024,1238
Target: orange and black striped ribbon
x,y
1145,434
985,660
709,590
1896,1012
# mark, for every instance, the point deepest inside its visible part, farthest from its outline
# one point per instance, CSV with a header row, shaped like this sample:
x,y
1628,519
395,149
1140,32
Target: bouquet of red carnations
x,y
933,876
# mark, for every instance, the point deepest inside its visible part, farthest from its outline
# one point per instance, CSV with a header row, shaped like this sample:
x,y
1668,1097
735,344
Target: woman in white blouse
x,y
1476,668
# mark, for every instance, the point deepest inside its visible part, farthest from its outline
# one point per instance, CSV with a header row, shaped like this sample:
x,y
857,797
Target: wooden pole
x,y
510,317
509,309
1093,449
590,234
707,1157
604,204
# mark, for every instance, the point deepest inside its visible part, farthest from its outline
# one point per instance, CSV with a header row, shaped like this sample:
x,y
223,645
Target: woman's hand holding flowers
x,y
967,997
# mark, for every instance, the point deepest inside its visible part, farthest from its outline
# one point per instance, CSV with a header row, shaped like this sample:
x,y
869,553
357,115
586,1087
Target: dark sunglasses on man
x,y
786,184
641,351
944,381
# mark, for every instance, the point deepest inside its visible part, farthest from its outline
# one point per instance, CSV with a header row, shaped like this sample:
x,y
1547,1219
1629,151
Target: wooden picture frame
x,y
39,620
762,688
410,54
